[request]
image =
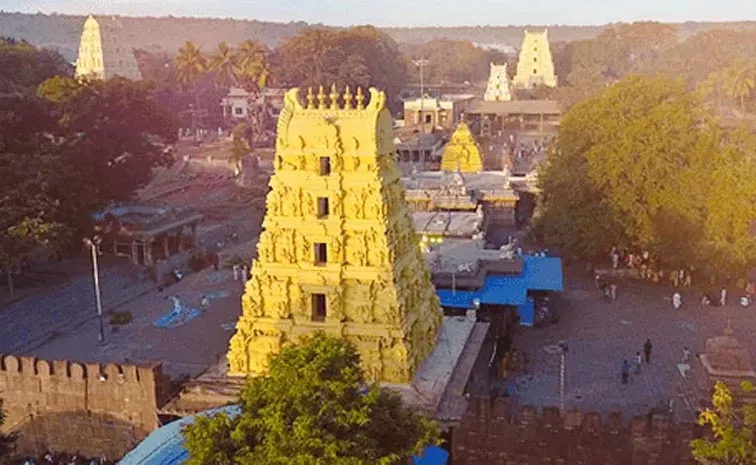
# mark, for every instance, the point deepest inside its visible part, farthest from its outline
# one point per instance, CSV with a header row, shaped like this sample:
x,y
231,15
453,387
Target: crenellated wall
x,y
490,434
89,408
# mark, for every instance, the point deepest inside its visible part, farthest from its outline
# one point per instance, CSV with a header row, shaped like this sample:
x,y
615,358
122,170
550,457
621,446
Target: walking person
x,y
613,291
723,297
236,272
638,362
625,372
686,355
677,300
647,346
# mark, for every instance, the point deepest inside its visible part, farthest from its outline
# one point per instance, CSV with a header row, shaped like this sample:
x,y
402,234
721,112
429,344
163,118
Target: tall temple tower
x,y
338,252
104,52
535,66
462,153
497,89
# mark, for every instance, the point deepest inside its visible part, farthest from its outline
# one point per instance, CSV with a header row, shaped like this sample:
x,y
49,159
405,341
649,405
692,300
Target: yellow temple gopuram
x,y
462,152
338,252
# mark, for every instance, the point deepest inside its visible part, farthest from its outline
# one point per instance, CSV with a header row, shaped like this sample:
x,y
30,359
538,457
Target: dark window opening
x,y
428,119
323,207
325,166
318,307
321,254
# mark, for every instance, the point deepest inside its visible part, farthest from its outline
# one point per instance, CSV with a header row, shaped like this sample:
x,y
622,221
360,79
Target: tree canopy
x,y
360,55
733,431
644,165
453,61
314,408
23,66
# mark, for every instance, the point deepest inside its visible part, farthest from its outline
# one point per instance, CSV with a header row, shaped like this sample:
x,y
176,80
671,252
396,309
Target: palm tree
x,y
225,64
254,69
740,80
191,67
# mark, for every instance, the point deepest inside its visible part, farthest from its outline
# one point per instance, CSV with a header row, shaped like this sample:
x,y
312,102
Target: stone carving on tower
x,y
535,66
104,52
462,152
338,252
498,88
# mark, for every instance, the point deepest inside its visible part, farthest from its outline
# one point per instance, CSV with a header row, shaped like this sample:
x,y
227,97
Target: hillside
x,y
61,32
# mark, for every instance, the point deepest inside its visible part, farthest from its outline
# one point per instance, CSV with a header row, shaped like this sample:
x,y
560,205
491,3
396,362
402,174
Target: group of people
x,y
638,360
64,459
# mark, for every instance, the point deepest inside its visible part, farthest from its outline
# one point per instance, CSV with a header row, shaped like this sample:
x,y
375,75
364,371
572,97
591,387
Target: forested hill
x,y
61,32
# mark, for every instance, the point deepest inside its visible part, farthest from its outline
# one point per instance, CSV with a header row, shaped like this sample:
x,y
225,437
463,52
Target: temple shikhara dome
x,y
104,51
535,66
462,152
338,252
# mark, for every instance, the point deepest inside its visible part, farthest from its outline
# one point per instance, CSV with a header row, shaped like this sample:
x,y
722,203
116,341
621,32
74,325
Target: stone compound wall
x,y
86,408
489,434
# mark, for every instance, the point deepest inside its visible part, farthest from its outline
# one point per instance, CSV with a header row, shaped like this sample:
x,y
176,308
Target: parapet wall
x,y
489,433
33,390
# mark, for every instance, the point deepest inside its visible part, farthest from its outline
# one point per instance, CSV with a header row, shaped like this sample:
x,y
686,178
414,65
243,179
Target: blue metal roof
x,y
165,445
539,274
543,273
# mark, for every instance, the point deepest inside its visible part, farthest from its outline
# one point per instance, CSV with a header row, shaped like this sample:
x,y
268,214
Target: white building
x,y
236,104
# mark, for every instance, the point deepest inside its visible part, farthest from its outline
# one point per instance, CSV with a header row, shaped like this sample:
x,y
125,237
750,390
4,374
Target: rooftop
x,y
462,224
144,220
524,107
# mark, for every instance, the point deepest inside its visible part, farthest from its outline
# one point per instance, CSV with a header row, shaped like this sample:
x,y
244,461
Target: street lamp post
x,y
93,246
563,373
421,64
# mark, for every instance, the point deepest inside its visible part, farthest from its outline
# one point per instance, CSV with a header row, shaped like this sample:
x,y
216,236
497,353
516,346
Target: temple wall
x,y
73,407
489,433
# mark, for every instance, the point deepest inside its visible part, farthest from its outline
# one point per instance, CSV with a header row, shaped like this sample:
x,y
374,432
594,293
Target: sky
x,y
411,12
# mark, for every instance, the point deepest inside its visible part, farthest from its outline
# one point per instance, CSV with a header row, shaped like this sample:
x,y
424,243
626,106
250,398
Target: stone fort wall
x,y
74,407
492,433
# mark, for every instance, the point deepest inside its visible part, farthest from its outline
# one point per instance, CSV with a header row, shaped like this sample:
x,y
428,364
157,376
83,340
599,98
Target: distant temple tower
x,y
338,252
462,152
498,84
535,66
103,51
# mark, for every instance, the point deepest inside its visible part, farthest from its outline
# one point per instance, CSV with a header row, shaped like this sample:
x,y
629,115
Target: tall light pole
x,y
563,373
421,63
93,245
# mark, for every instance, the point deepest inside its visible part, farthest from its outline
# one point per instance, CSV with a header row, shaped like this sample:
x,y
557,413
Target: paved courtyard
x,y
601,335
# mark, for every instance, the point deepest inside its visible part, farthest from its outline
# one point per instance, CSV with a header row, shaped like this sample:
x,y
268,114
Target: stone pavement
x,y
187,349
601,335
34,320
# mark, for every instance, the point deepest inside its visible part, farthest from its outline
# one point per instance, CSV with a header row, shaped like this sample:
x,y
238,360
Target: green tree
x,y
224,64
23,66
314,408
253,66
191,67
7,441
32,188
733,431
638,166
739,81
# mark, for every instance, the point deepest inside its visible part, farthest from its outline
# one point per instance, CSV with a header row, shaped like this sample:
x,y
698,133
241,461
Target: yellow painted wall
x,y
90,60
376,283
462,152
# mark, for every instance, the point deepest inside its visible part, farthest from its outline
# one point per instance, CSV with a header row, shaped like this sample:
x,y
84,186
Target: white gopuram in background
x,y
535,66
498,84
104,51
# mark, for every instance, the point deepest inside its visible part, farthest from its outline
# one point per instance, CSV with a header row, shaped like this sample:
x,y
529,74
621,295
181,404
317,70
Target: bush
x,y
121,318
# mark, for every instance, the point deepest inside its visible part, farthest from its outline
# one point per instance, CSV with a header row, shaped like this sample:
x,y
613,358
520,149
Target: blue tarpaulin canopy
x,y
432,455
539,274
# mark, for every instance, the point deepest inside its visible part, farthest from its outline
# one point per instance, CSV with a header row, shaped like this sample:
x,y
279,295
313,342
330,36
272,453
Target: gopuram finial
x,y
321,98
334,96
310,99
360,99
347,99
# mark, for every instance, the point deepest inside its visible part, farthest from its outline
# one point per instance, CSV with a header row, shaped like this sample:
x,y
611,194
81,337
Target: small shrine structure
x,y
462,152
338,252
498,87
726,360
